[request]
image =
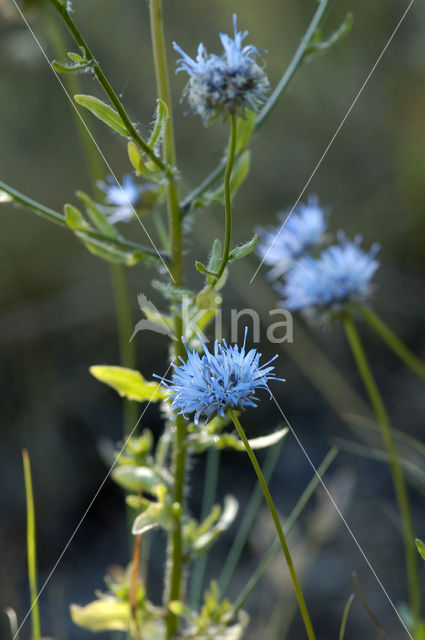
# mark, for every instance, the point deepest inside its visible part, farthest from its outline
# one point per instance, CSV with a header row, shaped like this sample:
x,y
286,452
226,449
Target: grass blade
x,y
345,616
31,548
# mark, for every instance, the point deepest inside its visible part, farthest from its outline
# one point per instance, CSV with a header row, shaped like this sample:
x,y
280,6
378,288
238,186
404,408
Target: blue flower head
x,y
303,230
323,286
122,200
211,383
230,83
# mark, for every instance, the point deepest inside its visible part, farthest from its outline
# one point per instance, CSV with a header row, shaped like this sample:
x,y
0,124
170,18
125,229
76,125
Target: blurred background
x,y
57,312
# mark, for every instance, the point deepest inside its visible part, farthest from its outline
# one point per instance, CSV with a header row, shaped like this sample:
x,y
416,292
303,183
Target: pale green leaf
x,y
129,383
137,479
158,514
421,547
244,249
108,614
226,519
104,112
161,118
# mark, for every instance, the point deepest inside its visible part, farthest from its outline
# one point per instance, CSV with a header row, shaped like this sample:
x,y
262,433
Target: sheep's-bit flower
x,y
227,84
304,229
122,200
211,383
342,275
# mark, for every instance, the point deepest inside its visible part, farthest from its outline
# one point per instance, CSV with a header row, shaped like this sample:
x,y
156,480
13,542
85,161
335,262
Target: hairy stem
x,y
175,542
396,468
281,535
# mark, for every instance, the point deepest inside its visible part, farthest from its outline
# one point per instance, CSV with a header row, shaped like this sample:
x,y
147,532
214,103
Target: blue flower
x,y
304,229
211,383
123,199
342,275
230,83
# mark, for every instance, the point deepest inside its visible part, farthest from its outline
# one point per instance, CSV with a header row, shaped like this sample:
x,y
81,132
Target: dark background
x,y
57,312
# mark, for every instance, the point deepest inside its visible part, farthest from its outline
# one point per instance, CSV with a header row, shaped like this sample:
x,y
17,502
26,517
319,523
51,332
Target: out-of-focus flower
x,y
323,286
122,200
279,246
227,84
211,383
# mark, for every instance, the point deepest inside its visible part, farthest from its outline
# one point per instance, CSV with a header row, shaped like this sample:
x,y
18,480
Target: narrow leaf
x,y
75,219
244,249
161,118
31,548
421,547
104,112
96,216
202,269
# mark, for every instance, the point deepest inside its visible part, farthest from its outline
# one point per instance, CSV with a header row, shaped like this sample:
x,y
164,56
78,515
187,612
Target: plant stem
x,y
79,39
31,549
293,517
393,342
175,541
117,272
293,67
396,468
228,197
281,535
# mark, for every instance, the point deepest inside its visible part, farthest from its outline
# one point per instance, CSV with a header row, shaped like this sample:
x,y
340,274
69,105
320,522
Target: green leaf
x,y
109,251
104,112
137,479
244,131
203,440
202,269
161,118
226,519
96,216
319,44
244,249
158,514
75,219
421,547
215,257
78,64
108,614
129,383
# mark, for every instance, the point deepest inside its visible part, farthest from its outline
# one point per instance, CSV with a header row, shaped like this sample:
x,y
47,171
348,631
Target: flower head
x,y
230,83
211,383
122,199
304,229
342,275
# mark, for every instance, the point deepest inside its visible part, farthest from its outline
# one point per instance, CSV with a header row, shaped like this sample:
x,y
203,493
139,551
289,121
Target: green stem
x,y
59,219
281,535
248,519
71,81
31,549
396,468
79,39
393,342
175,541
293,517
117,272
294,66
228,197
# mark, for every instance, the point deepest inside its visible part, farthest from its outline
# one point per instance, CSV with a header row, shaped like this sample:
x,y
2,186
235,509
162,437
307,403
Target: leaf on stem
x,y
160,124
319,44
203,440
129,383
104,112
421,547
244,249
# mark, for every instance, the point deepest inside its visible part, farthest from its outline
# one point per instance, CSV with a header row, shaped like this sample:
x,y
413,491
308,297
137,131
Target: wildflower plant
x,y
203,392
